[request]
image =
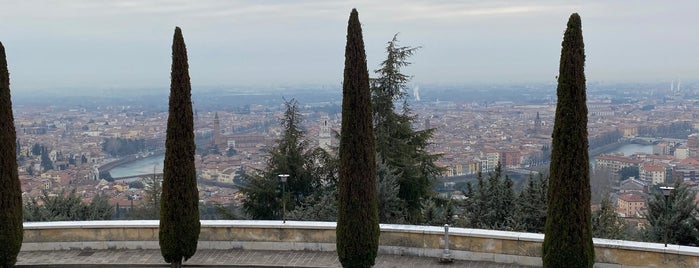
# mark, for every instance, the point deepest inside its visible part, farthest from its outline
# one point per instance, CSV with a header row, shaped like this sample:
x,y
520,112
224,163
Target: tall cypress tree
x,y
568,239
11,230
179,206
357,219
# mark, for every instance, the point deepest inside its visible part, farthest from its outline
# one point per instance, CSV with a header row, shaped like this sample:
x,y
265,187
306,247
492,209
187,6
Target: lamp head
x,y
283,177
667,190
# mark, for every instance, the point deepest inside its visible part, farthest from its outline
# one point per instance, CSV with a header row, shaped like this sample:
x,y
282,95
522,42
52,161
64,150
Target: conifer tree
x,y
531,205
477,204
400,146
291,155
11,230
179,211
568,232
357,221
606,223
674,219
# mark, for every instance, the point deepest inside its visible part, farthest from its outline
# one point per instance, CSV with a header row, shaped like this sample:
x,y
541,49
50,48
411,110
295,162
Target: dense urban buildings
x,y
473,132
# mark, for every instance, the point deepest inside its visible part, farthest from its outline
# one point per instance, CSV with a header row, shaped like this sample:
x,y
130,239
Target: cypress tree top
x,y
179,72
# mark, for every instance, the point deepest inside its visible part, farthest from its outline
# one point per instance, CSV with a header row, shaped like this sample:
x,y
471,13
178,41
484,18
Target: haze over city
x,y
90,45
498,126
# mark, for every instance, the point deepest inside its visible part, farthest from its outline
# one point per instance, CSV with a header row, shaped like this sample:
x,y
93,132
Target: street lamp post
x,y
283,178
667,190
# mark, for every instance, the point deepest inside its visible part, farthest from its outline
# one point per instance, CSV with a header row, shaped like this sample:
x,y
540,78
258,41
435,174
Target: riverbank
x,y
112,164
607,148
144,165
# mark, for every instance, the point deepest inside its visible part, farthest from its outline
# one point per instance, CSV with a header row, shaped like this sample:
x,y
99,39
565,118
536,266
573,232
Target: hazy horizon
x,y
125,44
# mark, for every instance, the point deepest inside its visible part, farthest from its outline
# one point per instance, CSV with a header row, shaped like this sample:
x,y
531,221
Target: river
x,y
627,150
140,166
631,148
145,165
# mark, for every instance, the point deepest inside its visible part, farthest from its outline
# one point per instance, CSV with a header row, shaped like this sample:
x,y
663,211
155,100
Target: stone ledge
x,y
428,241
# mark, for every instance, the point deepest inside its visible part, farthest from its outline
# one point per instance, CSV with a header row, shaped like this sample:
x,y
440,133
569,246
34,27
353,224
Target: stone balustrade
x,y
425,241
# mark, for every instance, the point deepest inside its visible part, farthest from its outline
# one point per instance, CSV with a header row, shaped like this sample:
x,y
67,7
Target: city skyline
x,y
78,44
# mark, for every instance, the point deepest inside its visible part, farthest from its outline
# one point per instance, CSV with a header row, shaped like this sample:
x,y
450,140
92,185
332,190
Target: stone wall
x,y
426,241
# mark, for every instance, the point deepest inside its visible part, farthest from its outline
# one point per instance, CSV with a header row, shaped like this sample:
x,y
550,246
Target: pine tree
x,y
291,155
568,234
492,205
401,147
67,207
179,212
506,210
531,205
675,221
357,220
606,223
11,230
477,205
390,205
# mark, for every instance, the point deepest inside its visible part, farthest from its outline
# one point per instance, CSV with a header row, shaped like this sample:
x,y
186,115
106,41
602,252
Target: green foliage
x,y
153,189
37,149
121,147
67,207
262,196
229,213
11,230
308,169
438,211
231,152
46,163
627,172
477,204
568,239
149,210
391,207
606,223
602,180
179,212
105,175
531,205
357,220
397,143
321,206
136,185
678,130
292,156
501,200
674,221
492,204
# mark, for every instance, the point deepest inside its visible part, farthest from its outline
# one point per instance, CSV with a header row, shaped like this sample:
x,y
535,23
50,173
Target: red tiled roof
x,y
632,197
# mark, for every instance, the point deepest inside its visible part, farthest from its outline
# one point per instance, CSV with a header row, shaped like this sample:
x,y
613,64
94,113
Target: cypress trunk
x,y
179,206
11,230
568,233
357,220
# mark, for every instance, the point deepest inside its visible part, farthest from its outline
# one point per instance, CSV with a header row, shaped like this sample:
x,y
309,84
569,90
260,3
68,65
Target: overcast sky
x,y
126,43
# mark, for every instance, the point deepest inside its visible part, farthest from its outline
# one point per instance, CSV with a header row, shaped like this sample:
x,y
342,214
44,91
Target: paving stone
x,y
233,258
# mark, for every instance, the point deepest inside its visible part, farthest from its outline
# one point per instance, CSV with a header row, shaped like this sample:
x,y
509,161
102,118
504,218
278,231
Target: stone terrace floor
x,y
224,258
